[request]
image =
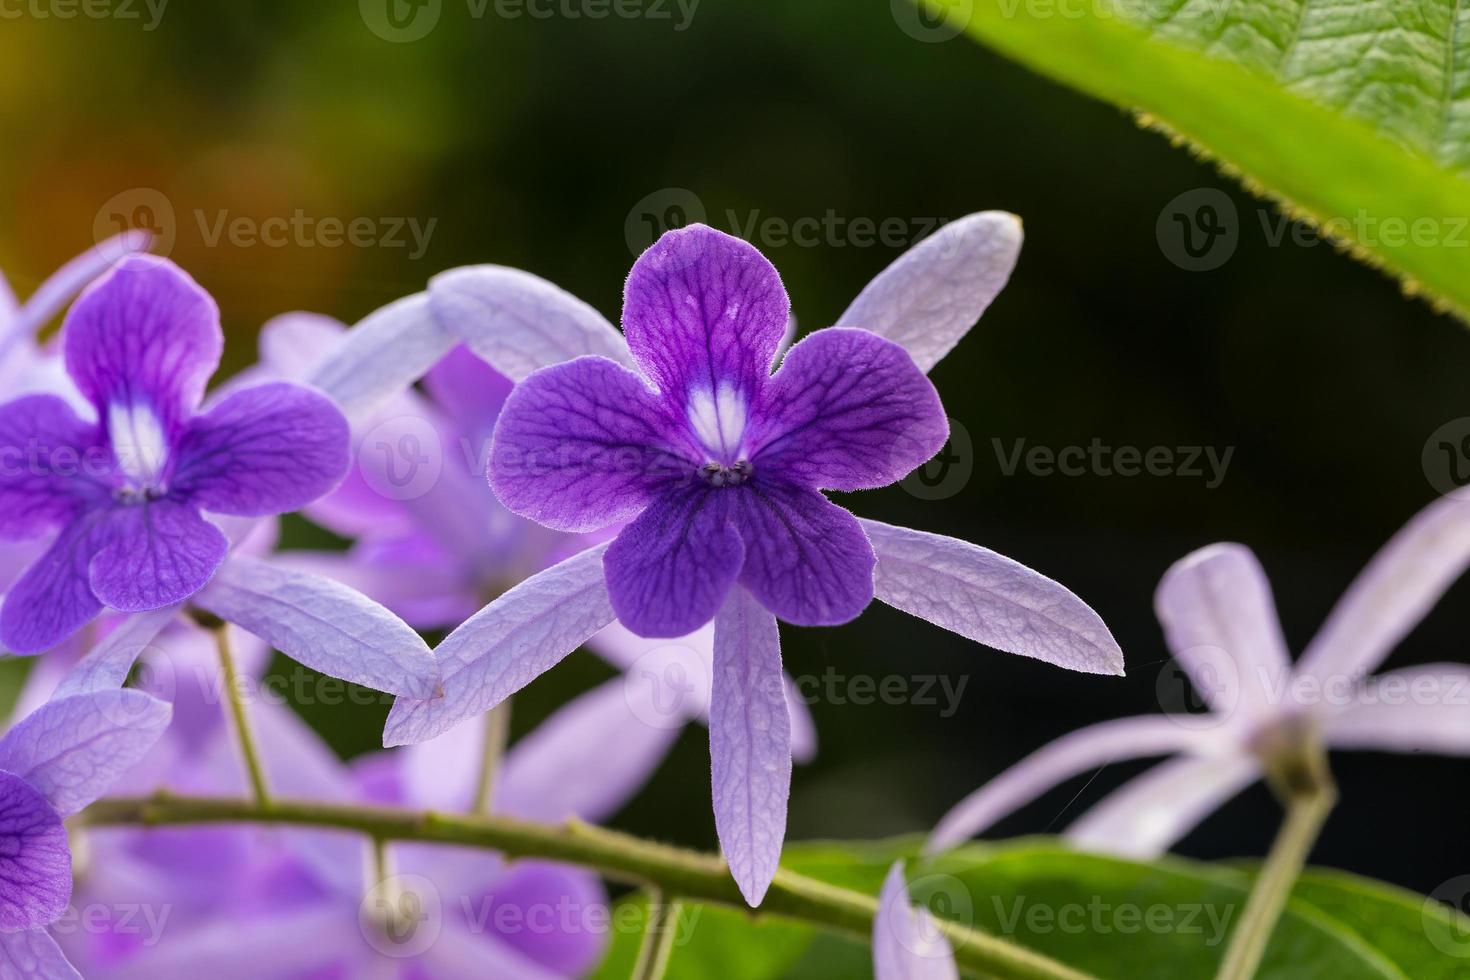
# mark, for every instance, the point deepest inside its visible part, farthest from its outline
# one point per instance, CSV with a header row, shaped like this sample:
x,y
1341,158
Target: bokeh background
x,y
549,142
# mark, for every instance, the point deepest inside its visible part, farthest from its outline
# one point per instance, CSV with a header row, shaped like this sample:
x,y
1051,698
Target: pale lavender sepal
x,y
519,322
154,554
931,296
382,355
1417,709
907,943
72,749
460,953
35,862
508,644
702,311
66,282
1393,593
1071,755
847,411
1220,623
989,598
146,336
268,449
293,345
107,665
587,760
322,624
31,954
750,743
1150,813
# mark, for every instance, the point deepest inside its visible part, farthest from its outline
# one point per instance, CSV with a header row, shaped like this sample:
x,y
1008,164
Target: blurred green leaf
x,y
1353,116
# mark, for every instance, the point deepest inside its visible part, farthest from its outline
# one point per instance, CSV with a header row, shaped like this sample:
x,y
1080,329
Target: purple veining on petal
x,y
35,863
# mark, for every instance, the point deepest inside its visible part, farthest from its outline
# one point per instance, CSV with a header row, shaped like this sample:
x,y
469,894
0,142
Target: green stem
x,y
236,697
1307,791
497,735
673,871
658,938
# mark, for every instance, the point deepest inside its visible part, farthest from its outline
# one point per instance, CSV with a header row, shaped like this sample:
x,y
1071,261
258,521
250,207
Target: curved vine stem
x,y
691,875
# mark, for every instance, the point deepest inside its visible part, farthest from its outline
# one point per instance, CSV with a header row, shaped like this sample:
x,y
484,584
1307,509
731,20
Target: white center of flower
x,y
140,445
718,420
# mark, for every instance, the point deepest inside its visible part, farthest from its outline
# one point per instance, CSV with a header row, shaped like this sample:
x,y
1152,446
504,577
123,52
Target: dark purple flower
x,y
124,490
718,462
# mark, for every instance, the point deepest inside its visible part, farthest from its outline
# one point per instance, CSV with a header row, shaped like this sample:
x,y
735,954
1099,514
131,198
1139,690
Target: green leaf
x,y
709,942
1352,115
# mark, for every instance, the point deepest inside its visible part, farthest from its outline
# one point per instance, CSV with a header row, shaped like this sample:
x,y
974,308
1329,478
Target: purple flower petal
x,y
577,942
931,296
384,354
317,940
144,336
469,391
51,465
1071,755
989,598
265,450
107,665
35,862
508,644
581,445
31,954
564,768
847,411
703,313
806,559
64,283
1150,813
324,625
463,951
519,322
293,345
907,943
750,743
669,571
1432,717
54,599
1393,593
73,749
1220,623
153,554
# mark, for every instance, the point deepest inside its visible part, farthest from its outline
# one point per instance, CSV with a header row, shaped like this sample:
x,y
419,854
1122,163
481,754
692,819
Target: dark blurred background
x,y
545,142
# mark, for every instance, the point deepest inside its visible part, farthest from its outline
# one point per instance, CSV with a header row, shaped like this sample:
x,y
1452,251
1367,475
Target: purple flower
x,y
53,763
124,489
907,943
719,466
1220,622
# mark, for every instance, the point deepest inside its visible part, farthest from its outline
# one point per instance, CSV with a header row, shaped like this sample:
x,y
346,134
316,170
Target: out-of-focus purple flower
x,y
907,943
52,763
293,905
679,427
124,489
1220,623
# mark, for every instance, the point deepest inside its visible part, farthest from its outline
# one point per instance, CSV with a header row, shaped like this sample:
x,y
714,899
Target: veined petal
x,y
107,665
1054,763
1151,812
324,625
989,598
52,464
72,749
383,355
585,761
31,954
749,743
35,863
669,570
1417,709
1220,623
144,336
806,559
519,322
931,296
264,450
907,943
582,445
54,598
66,282
154,554
703,310
1396,590
847,411
508,644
